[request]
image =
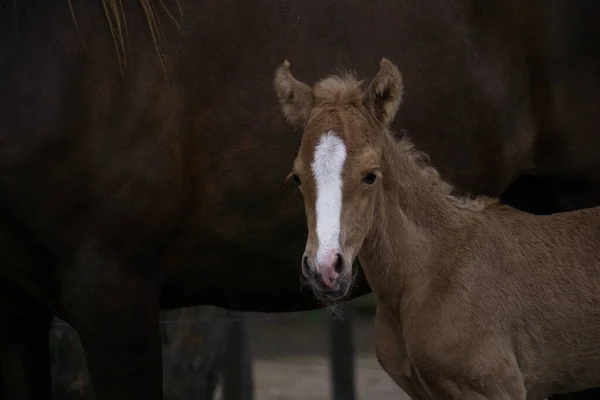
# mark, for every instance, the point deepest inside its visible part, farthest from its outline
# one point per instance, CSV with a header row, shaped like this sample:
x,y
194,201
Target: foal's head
x,y
338,165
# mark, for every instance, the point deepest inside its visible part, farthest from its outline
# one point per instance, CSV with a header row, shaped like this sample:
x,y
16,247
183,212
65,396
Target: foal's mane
x,y
345,91
422,163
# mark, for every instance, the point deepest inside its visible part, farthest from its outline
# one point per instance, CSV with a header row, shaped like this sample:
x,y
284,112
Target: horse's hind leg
x,y
24,347
115,311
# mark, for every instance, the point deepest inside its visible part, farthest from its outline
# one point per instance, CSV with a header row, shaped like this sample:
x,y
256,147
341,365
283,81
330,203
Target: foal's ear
x,y
384,94
295,97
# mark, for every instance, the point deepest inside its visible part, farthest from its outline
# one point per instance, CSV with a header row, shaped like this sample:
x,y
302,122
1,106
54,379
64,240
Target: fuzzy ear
x,y
295,97
384,94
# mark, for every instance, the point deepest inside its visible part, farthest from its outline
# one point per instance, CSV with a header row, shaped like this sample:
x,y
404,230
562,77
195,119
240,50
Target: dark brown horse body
x,y
130,186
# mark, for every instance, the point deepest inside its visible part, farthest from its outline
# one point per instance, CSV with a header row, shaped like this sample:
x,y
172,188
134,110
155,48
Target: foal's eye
x,y
297,179
370,178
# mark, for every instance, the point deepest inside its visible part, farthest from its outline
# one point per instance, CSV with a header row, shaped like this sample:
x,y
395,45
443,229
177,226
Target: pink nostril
x,y
329,276
330,267
338,263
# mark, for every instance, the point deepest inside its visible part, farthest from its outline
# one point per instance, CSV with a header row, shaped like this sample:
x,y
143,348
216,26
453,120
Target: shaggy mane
x,y
117,23
422,161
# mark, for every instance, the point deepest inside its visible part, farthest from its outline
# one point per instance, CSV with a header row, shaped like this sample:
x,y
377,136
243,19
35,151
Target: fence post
x,y
192,340
237,363
341,355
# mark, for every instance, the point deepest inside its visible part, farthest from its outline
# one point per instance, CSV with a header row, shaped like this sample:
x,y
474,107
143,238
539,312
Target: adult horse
x,y
125,146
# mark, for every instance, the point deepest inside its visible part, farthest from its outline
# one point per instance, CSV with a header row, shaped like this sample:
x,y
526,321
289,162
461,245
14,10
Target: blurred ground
x,y
291,358
290,354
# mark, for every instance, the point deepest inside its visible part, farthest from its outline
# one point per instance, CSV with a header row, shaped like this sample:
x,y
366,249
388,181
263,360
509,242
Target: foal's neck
x,y
415,221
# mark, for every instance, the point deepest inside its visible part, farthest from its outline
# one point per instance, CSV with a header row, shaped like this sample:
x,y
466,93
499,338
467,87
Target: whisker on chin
x,y
330,298
336,309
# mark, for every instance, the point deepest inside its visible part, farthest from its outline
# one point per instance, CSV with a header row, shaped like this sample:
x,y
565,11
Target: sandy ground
x,y
308,378
291,360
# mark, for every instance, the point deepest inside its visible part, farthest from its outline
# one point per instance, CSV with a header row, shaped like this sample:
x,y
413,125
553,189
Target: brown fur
x,y
475,300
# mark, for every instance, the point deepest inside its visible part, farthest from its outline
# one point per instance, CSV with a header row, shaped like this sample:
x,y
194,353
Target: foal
x,y
475,300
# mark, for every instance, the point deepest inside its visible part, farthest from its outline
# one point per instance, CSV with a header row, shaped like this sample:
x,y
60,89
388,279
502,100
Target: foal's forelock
x,y
327,166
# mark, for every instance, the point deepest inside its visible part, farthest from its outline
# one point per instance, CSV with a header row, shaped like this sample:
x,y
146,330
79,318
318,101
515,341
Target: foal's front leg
x,y
502,381
455,392
390,352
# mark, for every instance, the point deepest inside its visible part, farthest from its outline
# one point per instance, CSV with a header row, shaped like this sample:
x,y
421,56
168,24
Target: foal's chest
x,y
393,357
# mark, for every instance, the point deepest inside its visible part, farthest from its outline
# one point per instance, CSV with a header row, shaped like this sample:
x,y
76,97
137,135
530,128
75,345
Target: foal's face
x,y
337,171
338,166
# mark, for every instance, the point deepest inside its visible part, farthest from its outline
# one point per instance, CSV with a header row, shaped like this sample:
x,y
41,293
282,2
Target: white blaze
x,y
327,166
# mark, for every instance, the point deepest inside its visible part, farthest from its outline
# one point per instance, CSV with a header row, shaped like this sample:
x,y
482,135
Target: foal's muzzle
x,y
328,270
